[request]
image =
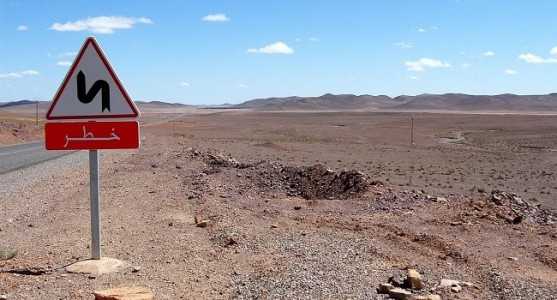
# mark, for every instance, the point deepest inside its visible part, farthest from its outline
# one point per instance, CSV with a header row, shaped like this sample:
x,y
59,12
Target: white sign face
x,y
91,89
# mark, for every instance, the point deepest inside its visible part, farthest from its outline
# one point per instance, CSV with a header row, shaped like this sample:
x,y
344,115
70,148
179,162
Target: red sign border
x,y
92,41
92,123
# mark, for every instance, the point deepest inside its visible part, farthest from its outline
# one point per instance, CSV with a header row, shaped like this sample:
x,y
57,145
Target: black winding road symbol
x,y
87,97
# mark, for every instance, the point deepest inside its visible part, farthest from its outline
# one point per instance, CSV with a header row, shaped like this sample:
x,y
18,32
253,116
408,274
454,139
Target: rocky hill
x,y
428,102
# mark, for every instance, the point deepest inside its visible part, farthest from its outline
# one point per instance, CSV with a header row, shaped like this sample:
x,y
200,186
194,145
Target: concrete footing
x,y
104,265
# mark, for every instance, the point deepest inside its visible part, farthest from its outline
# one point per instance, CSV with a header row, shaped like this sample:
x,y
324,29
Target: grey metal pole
x,y
95,205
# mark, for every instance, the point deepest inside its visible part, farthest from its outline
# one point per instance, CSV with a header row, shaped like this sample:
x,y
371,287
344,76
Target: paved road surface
x,y
24,155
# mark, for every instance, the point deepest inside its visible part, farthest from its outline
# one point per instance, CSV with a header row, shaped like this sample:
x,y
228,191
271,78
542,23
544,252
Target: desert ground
x,y
298,205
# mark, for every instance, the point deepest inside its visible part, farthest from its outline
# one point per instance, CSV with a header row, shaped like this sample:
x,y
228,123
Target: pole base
x,y
104,265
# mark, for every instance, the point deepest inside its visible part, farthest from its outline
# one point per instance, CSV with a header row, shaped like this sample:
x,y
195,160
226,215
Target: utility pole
x,y
37,113
412,130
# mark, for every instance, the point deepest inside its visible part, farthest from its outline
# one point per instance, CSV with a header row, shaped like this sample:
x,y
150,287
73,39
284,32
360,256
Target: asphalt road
x,y
23,155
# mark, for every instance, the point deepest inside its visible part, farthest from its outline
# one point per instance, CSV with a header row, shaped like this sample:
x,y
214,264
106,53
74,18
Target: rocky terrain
x,y
15,129
302,206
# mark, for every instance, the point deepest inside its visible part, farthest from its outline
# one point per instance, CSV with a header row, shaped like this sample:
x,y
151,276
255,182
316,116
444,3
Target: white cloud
x,y
314,39
274,48
414,77
10,75
488,53
22,28
465,65
144,20
30,73
216,18
242,86
425,63
511,72
101,25
554,51
19,74
68,54
422,30
404,45
64,63
185,84
535,59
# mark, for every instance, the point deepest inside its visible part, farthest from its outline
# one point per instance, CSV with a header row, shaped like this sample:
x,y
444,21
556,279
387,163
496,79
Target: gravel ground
x,y
260,237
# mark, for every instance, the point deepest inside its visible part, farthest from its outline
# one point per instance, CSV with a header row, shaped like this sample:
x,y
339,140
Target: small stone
x,y
384,288
125,293
400,294
396,280
441,199
3,297
274,226
7,254
446,283
414,280
512,258
456,289
202,223
466,284
136,269
297,207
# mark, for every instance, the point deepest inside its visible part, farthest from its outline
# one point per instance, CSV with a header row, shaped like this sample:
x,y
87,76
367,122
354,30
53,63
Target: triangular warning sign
x,y
91,89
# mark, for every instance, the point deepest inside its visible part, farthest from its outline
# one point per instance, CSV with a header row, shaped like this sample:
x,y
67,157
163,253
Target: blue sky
x,y
211,52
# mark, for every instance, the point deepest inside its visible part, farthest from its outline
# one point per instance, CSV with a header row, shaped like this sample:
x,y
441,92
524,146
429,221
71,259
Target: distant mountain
x,y
17,103
426,102
325,102
159,103
504,102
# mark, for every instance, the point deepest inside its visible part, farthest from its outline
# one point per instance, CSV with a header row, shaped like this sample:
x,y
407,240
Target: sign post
x,y
95,204
91,111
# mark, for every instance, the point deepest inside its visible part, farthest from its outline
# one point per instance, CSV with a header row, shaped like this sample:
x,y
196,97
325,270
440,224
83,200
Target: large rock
x,y
125,293
400,294
426,297
414,280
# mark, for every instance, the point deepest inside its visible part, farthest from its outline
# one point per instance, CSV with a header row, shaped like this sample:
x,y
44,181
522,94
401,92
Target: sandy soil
x,y
275,229
17,128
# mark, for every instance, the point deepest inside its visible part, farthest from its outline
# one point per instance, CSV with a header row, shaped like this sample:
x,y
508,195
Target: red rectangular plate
x,y
91,135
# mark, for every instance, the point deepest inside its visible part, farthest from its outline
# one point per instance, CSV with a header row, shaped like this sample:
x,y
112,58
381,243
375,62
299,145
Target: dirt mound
x,y
515,209
309,182
319,182
215,160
